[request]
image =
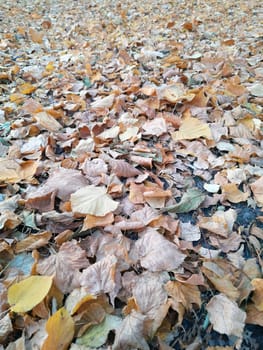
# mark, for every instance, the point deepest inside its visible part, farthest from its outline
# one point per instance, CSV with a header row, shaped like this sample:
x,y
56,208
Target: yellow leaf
x,y
24,295
60,329
26,89
192,128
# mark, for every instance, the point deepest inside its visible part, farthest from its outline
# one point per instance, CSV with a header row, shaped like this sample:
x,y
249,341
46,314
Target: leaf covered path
x,y
131,175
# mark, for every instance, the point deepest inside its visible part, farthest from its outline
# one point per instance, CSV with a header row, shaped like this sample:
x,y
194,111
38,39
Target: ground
x,y
131,175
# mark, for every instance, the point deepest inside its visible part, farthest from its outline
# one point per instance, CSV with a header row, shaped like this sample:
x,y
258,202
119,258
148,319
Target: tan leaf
x,y
192,128
46,121
254,316
12,171
92,221
65,266
156,253
257,189
36,37
220,223
233,194
32,242
9,220
131,333
225,316
185,293
60,330
92,200
175,93
257,297
101,277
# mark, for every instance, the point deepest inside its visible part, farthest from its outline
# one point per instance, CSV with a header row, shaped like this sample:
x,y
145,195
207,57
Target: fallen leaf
x,y
92,200
190,200
192,128
24,295
97,335
256,90
46,121
92,221
225,316
65,266
101,277
130,333
233,194
257,297
257,189
6,327
32,242
60,328
184,293
156,127
156,253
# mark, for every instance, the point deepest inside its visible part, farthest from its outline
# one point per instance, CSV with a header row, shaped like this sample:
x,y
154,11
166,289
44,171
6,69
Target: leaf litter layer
x,y
131,175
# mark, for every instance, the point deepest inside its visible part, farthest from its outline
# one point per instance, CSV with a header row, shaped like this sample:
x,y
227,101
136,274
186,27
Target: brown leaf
x,y
123,169
32,242
184,293
192,128
47,122
257,297
92,221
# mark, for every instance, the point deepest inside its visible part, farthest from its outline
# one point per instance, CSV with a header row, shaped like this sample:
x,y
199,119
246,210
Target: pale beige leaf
x,y
189,232
105,102
92,200
65,266
129,133
6,327
156,253
192,128
155,127
225,316
257,189
46,121
130,334
109,133
101,277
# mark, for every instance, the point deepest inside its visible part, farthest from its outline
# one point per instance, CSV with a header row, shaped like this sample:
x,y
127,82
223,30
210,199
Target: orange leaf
x,y
60,329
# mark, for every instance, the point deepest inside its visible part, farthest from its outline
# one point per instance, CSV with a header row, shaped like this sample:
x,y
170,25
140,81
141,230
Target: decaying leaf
x,y
130,333
190,200
24,295
65,266
225,316
156,253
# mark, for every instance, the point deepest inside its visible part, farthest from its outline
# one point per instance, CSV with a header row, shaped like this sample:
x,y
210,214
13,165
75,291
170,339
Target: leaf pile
x,y
131,181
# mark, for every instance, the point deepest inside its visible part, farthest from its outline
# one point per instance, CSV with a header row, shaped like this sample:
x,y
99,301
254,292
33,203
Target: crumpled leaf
x,y
105,102
46,121
192,128
97,335
184,293
32,242
6,327
156,127
92,200
257,297
24,295
12,171
190,200
156,253
60,329
123,169
130,333
257,189
225,316
101,277
256,90
65,266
